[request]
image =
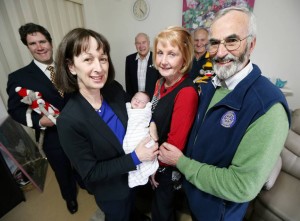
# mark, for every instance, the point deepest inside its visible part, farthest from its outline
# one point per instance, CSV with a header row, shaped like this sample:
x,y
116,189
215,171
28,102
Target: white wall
x,y
113,19
276,51
278,46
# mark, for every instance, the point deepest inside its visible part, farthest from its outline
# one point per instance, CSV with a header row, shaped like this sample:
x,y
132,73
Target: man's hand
x,y
46,122
169,154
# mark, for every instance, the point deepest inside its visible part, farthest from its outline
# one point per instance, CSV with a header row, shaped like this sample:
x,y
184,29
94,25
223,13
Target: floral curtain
x,y
199,13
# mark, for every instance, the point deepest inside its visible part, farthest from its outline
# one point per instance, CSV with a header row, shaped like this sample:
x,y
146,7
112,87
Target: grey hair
x,y
142,34
252,27
198,29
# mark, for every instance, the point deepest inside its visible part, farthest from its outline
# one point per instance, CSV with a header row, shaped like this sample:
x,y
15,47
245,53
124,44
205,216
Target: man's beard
x,y
225,72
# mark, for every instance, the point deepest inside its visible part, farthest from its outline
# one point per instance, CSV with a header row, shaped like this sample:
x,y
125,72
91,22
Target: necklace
x,y
98,109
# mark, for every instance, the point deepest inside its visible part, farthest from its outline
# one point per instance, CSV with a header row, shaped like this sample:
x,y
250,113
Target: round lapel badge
x,y
228,119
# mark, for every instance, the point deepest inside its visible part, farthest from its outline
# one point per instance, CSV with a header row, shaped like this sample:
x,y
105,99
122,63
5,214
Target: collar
x,y
139,57
42,66
231,82
204,56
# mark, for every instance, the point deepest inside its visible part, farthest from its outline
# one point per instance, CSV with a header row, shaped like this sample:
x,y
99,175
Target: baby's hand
x,y
153,131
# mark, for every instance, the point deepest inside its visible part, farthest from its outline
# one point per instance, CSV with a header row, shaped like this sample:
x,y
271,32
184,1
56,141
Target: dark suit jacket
x,y
31,77
152,75
93,148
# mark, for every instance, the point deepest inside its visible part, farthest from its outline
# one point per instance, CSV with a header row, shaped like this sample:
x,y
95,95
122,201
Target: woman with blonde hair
x,y
175,104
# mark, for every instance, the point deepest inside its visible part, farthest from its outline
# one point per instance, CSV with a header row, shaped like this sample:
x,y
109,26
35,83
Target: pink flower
x,y
191,4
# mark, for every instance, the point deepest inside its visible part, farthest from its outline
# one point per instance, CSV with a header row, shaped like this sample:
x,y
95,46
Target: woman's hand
x,y
145,153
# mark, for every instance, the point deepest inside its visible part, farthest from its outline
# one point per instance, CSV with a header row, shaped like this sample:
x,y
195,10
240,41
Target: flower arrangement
x,y
199,13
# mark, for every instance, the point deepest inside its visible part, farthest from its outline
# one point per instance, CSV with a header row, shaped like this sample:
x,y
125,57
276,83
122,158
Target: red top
x,y
185,109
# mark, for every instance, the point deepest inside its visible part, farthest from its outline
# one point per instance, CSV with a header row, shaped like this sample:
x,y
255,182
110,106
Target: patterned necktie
x,y
52,76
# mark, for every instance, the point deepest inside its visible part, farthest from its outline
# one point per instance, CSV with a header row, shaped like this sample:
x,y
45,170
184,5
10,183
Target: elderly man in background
x,y
140,75
201,61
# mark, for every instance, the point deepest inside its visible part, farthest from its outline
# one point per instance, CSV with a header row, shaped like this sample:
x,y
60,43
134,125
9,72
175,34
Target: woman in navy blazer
x,y
92,125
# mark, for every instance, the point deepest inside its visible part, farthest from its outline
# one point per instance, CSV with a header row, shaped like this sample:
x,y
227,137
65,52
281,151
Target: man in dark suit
x,y
36,77
140,74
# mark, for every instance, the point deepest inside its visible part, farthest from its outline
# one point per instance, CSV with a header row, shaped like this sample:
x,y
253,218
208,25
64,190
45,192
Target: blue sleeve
x,y
135,158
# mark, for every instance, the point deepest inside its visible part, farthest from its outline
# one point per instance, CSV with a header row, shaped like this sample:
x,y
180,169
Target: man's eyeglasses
x,y
231,44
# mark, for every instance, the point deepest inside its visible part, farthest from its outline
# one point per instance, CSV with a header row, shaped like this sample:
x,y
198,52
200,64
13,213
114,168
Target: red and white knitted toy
x,y
38,104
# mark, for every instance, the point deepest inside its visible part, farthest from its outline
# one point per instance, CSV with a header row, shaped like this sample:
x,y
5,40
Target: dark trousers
x,y
117,210
64,172
163,203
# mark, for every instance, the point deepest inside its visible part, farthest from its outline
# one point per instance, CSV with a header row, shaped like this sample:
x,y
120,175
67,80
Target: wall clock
x,y
140,9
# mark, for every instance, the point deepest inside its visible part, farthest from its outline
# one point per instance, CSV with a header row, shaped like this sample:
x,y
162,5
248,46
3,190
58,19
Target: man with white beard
x,y
240,129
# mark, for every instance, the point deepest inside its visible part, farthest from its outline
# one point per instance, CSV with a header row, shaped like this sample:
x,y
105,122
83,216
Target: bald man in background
x,y
201,56
140,74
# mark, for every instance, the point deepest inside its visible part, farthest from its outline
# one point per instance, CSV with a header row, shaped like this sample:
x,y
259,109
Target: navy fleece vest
x,y
226,122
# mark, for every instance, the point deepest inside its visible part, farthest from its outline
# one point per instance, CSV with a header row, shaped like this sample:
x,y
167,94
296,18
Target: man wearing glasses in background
x,y
240,129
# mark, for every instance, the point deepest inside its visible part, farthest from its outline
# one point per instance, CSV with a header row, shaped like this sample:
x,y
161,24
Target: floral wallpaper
x,y
199,13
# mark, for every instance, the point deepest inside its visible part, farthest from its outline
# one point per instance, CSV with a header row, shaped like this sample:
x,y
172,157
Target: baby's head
x,y
139,100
